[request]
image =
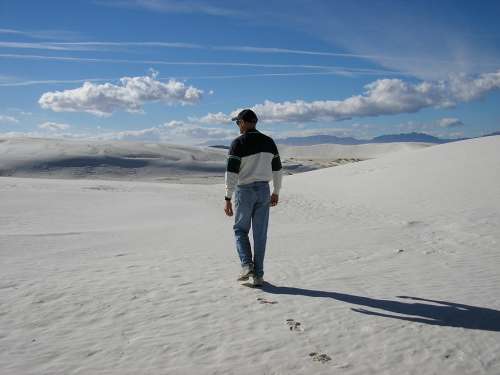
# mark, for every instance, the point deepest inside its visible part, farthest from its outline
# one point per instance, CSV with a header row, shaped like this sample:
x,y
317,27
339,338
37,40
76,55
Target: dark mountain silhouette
x,y
388,138
411,137
491,134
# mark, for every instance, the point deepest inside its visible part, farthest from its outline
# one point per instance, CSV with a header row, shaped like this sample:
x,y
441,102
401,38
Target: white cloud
x,y
212,118
129,95
382,97
181,129
53,126
177,132
8,119
450,122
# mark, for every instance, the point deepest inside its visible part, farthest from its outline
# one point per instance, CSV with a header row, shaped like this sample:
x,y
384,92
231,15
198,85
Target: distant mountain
x,y
217,143
389,138
332,139
491,134
410,137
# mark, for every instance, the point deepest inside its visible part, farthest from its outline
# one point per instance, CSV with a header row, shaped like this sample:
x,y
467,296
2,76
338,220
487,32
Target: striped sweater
x,y
253,156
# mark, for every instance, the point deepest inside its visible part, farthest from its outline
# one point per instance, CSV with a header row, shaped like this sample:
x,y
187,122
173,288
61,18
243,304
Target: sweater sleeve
x,y
232,168
277,171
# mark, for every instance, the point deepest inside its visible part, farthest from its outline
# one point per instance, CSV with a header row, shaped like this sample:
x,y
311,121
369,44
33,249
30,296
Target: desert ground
x,y
386,265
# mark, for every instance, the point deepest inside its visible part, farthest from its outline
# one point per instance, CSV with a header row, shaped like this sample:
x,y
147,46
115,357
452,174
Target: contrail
x,y
191,63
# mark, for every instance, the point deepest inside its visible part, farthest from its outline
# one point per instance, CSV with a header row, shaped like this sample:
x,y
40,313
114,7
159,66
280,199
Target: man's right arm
x,y
277,170
232,169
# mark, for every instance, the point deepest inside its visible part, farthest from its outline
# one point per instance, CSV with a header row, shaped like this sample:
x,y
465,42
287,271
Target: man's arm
x,y
277,171
232,169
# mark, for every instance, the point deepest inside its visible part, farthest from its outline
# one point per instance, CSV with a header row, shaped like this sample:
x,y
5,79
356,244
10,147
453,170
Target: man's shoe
x,y
246,272
258,281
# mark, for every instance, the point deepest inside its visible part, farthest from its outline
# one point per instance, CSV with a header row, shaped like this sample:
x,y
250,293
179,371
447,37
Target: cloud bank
x,y
381,97
178,132
130,95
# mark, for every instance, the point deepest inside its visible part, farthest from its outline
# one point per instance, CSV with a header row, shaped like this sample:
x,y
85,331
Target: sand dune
x,y
384,266
307,158
56,158
333,151
118,160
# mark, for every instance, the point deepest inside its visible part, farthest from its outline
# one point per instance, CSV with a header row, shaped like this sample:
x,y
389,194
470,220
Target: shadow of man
x,y
423,311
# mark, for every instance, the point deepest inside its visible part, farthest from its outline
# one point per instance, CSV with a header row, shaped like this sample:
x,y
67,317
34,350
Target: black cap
x,y
246,115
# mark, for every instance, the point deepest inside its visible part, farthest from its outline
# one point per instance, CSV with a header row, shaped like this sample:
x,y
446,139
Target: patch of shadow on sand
x,y
93,161
425,311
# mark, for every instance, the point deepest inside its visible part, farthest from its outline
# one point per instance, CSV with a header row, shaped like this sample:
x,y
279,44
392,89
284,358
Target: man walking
x,y
252,162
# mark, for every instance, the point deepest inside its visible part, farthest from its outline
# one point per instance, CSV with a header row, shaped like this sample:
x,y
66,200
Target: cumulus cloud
x,y
450,122
53,126
8,119
182,129
212,118
382,97
176,132
130,95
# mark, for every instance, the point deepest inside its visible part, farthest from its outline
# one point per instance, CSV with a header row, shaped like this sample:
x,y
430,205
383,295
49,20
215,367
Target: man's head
x,y
246,120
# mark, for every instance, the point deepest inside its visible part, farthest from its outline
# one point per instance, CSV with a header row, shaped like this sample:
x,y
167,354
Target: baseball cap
x,y
246,115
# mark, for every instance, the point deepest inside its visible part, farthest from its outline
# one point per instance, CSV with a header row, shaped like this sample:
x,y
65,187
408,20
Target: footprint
x,y
294,326
265,301
323,358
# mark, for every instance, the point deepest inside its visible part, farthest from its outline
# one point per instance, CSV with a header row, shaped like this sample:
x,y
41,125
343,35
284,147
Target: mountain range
x,y
387,138
332,139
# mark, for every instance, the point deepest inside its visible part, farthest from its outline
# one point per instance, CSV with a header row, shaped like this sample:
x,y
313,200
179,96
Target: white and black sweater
x,y
253,156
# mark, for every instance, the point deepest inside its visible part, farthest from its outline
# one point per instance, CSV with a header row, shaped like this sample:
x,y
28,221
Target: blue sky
x,y
175,71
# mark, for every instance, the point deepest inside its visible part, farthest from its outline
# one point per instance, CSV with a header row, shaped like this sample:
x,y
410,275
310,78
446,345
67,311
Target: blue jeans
x,y
252,209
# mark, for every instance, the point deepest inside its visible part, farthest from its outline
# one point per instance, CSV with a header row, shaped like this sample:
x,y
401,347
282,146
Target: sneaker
x,y
258,281
246,272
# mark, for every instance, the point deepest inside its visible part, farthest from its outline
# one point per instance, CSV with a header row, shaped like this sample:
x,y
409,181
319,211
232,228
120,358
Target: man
x,y
252,162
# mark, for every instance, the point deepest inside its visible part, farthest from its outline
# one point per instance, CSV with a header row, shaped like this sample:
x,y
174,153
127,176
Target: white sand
x,y
333,151
117,160
116,277
160,162
299,159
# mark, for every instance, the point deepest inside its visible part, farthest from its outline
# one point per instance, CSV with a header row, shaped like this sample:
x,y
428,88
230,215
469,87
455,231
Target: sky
x,y
177,71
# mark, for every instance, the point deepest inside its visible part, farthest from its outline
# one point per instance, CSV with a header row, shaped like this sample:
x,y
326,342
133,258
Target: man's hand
x,y
274,200
228,209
